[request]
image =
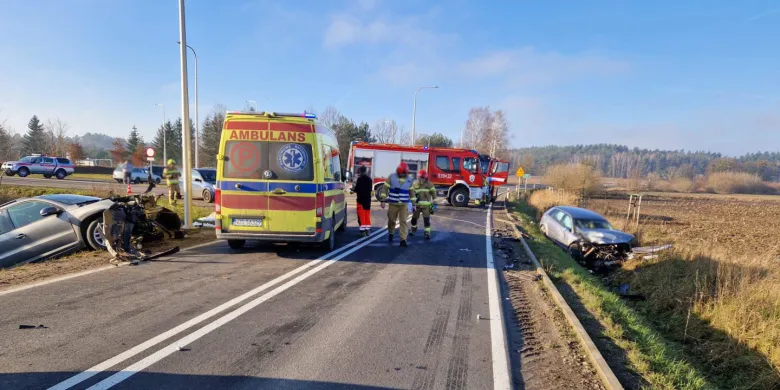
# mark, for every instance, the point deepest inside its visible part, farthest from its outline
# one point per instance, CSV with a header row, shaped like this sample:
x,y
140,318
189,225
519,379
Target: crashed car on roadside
x,y
587,236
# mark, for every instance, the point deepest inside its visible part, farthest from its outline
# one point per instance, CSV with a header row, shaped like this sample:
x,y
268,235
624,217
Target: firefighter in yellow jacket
x,y
171,175
425,195
398,192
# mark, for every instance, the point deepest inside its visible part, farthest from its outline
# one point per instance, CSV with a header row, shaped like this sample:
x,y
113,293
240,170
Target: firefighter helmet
x,y
402,169
422,174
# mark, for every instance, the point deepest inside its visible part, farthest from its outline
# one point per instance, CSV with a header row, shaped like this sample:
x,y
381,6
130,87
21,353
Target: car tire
x,y
94,234
23,172
460,198
574,252
543,229
330,243
207,196
60,174
10,173
119,181
378,190
236,244
343,226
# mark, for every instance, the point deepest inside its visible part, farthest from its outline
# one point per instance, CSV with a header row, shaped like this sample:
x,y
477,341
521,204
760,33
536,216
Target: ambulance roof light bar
x,y
307,115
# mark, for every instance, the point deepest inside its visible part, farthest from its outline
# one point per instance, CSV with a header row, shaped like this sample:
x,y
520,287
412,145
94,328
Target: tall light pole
x,y
414,113
165,131
185,114
197,123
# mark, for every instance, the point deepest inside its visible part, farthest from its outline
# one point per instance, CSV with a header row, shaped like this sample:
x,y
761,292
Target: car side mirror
x,y
47,211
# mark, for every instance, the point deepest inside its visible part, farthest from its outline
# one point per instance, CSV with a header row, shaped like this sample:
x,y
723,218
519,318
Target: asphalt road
x,y
88,185
368,315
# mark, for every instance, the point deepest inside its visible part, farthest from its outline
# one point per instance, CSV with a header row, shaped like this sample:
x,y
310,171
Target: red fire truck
x,y
456,173
496,171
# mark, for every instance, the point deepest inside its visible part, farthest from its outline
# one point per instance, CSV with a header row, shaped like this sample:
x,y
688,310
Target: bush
x,y
544,199
738,183
575,178
681,184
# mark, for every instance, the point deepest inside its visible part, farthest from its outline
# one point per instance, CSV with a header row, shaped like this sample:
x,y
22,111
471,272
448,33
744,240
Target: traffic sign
x,y
150,153
527,176
150,159
520,172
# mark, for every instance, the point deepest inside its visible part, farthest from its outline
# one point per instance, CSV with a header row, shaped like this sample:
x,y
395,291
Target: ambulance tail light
x,y
218,201
320,203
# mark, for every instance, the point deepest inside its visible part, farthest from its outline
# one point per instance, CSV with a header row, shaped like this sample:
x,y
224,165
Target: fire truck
x,y
496,171
456,173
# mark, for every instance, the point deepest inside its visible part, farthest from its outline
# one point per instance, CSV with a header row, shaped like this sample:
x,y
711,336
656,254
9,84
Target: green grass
x,y
91,176
658,361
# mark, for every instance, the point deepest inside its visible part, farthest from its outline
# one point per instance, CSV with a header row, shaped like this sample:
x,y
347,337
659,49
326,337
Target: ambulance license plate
x,y
254,222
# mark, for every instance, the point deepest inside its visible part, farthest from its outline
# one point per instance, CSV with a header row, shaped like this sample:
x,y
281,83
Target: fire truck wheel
x,y
460,198
377,191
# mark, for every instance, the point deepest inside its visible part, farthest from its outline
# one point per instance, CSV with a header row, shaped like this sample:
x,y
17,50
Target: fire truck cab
x,y
456,173
496,171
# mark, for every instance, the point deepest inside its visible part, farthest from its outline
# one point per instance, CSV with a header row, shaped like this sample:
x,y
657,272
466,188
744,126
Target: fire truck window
x,y
365,161
443,163
455,164
471,164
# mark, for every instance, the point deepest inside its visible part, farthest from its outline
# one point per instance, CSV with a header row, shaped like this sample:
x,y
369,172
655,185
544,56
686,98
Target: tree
x,y
434,139
330,117
75,151
56,137
165,132
35,139
347,131
119,151
6,143
476,124
495,138
211,134
139,155
386,132
134,139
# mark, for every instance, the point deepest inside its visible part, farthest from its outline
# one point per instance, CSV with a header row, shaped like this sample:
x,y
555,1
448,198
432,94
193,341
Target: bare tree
x,y
57,134
476,124
386,132
329,117
495,138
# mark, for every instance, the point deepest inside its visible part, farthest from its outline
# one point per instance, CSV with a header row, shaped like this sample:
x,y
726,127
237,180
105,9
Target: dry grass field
x,y
717,294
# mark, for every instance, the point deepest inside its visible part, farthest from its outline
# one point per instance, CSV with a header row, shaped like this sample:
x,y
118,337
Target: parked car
x,y
203,182
37,228
59,167
587,236
137,176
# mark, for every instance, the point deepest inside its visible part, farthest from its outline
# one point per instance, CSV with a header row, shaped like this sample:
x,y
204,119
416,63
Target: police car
x,y
37,164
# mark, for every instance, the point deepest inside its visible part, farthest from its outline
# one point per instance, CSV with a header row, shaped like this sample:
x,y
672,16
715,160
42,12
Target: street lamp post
x,y
165,131
185,114
197,123
414,113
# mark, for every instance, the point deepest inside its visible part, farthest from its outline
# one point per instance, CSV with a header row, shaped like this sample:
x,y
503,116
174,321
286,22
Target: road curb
x,y
608,378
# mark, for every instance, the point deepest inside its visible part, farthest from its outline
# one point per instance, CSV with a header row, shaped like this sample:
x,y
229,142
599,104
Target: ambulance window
x,y
291,161
335,167
246,159
333,162
455,164
443,163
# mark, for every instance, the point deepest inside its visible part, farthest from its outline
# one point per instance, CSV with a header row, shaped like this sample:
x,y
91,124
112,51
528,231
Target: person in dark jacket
x,y
363,187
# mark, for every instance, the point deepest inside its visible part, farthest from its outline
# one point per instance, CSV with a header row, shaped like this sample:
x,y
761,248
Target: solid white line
x,y
100,367
83,273
192,337
497,336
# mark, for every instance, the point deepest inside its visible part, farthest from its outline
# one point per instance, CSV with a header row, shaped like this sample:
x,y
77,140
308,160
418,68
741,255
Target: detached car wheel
x,y
94,235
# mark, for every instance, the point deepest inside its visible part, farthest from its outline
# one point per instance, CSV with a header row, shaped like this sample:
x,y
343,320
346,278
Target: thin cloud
x,y
762,15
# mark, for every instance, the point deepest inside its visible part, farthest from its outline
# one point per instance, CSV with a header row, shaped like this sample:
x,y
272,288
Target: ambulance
x,y
278,180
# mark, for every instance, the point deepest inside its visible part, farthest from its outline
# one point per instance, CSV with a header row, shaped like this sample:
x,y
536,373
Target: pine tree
x,y
6,144
167,131
35,139
211,131
134,140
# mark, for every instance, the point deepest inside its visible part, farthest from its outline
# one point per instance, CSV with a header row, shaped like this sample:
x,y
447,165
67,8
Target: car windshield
x,y
593,224
209,175
27,160
70,199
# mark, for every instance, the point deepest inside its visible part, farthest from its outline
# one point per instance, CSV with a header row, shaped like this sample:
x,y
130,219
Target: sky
x,y
693,75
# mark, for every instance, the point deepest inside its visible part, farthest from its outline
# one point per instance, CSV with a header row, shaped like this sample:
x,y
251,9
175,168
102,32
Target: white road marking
x,y
105,365
501,378
459,220
83,273
192,337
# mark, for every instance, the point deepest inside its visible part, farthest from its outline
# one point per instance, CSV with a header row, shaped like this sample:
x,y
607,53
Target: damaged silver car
x,y
587,236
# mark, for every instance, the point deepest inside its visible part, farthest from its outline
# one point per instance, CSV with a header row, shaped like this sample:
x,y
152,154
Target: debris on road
x,y
209,221
32,327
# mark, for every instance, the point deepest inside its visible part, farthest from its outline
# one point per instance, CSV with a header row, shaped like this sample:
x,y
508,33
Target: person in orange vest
x,y
398,192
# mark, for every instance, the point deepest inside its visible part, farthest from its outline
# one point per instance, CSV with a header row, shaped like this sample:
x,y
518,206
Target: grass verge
x,y
659,362
91,176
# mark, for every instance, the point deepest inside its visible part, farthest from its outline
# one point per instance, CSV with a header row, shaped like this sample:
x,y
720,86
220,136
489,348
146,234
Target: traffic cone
x,y
129,189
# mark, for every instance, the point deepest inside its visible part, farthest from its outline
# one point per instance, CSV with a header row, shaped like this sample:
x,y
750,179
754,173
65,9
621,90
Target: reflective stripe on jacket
x,y
425,192
396,190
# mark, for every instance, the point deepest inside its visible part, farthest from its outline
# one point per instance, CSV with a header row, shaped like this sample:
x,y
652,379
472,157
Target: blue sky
x,y
662,74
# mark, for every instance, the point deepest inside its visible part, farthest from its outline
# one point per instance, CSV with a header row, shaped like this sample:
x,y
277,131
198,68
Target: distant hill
x,y
94,141
623,162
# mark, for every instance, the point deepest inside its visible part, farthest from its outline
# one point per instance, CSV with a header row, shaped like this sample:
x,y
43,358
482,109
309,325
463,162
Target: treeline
x,y
620,161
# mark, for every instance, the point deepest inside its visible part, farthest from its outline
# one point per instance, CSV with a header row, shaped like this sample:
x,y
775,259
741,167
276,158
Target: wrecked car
x,y
586,236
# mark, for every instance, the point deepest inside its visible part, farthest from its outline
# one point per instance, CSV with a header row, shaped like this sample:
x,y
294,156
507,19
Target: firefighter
x,y
425,195
172,175
397,192
363,190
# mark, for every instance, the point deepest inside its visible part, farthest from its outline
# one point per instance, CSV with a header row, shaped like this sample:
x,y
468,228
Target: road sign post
x,y
150,158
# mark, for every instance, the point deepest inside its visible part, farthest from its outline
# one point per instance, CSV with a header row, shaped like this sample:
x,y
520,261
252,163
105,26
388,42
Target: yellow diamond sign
x,y
520,172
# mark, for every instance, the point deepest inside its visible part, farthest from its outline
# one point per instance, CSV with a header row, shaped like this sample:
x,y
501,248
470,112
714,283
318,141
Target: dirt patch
x,y
86,260
544,349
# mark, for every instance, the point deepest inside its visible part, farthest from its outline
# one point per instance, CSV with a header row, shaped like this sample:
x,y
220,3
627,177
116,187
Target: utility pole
x,y
414,112
185,114
197,119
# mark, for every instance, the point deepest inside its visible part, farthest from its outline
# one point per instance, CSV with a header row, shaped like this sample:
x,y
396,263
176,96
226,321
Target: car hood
x,y
606,236
10,162
87,210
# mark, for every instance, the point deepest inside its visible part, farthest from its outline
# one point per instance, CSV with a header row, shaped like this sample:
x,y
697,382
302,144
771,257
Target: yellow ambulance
x,y
278,180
